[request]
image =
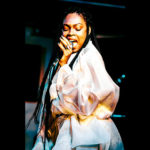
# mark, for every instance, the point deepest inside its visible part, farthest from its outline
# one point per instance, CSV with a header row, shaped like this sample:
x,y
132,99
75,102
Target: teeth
x,y
72,40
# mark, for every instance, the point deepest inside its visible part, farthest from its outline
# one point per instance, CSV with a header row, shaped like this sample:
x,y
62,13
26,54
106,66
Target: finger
x,y
61,46
65,51
63,42
67,41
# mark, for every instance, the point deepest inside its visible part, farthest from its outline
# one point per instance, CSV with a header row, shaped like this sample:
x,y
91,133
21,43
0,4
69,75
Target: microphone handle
x,y
71,44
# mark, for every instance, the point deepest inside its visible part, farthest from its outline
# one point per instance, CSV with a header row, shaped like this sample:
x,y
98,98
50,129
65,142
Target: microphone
x,y
71,44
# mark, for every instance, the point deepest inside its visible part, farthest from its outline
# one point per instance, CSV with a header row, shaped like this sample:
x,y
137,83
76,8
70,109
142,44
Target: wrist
x,y
63,60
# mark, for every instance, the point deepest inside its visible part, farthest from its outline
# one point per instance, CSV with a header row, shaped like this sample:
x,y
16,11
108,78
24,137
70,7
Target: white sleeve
x,y
88,89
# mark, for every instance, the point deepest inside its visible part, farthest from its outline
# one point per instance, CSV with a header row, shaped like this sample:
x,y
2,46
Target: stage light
x,y
118,116
96,3
119,80
123,76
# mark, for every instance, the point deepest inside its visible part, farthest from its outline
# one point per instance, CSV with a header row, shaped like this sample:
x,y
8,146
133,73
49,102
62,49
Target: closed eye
x,y
78,29
66,27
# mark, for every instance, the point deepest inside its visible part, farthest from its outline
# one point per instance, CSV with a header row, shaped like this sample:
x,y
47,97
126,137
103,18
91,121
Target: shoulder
x,y
92,54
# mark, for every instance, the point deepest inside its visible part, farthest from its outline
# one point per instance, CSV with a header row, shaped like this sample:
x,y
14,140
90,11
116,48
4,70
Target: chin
x,y
75,50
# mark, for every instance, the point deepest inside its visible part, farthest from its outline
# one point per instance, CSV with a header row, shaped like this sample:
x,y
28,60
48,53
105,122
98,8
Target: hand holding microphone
x,y
66,47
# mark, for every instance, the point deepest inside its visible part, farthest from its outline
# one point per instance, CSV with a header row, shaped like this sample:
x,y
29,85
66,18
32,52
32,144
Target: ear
x,y
89,30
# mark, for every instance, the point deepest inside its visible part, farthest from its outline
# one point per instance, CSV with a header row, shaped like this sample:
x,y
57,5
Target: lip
x,y
72,39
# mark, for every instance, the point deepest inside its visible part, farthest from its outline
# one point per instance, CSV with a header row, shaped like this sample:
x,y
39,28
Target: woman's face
x,y
75,30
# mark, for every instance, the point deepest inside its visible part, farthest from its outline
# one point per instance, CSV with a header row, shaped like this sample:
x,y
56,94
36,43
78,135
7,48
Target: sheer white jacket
x,y
89,95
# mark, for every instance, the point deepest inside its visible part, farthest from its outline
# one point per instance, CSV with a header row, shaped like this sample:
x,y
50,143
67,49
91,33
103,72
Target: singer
x,y
77,96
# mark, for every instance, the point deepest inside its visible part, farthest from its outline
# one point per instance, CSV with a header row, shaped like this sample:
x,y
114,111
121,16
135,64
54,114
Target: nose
x,y
71,31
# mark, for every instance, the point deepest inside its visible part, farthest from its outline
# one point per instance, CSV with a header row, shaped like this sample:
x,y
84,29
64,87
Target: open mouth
x,y
74,42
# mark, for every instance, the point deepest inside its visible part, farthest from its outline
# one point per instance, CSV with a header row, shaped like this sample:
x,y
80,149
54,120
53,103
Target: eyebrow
x,y
73,25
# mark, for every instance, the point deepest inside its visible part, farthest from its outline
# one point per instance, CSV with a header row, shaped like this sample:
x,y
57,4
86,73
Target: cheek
x,y
64,34
82,37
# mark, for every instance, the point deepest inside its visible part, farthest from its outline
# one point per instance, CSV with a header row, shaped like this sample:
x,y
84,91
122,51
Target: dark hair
x,y
88,19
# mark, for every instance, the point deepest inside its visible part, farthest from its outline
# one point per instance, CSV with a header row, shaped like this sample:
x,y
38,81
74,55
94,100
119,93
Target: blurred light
x,y
28,31
123,76
105,36
95,3
37,30
118,116
119,80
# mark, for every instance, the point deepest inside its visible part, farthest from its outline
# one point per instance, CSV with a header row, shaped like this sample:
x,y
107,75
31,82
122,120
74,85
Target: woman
x,y
78,97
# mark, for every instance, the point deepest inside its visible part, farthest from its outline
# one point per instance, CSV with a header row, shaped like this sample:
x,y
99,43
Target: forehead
x,y
74,18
